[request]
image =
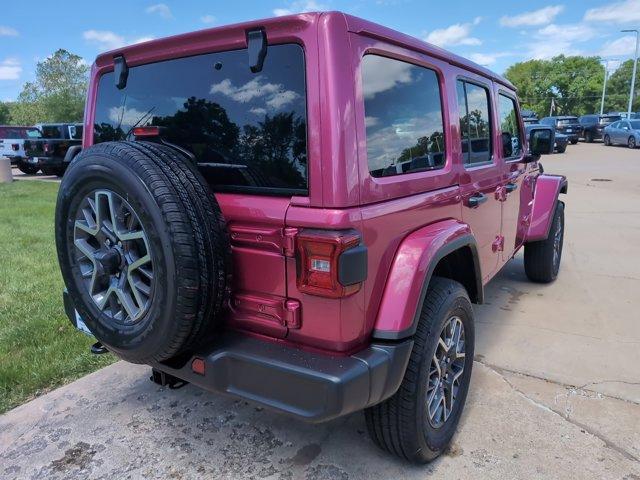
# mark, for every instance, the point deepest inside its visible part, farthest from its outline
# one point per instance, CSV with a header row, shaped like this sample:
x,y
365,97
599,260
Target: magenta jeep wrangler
x,y
300,212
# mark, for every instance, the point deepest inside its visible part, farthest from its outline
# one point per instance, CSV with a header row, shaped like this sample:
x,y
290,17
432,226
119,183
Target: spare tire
x,y
143,248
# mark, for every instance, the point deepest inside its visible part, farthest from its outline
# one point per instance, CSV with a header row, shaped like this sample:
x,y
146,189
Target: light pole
x,y
635,66
604,85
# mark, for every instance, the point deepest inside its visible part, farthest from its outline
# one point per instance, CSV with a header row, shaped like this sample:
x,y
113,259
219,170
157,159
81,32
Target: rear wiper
x,y
257,49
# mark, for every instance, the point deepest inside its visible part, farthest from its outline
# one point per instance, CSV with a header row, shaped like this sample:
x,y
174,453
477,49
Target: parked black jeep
x,y
593,125
55,149
565,124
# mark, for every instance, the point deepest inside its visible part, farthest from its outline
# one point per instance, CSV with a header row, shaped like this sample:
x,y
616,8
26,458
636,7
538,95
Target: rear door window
x,y
509,127
475,123
51,131
247,131
403,117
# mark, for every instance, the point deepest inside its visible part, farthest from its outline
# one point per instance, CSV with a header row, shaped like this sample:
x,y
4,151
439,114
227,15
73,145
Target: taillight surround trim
x,y
323,269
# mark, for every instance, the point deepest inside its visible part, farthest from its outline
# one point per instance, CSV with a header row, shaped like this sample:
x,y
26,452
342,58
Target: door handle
x,y
510,187
476,199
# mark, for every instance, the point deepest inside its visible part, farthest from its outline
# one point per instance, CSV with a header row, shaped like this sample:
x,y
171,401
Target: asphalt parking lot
x,y
555,391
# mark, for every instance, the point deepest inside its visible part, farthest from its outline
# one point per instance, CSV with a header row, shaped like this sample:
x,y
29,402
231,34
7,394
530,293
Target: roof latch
x,y
121,71
257,48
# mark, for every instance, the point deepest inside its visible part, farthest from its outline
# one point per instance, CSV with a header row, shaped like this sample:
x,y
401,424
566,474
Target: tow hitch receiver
x,y
166,379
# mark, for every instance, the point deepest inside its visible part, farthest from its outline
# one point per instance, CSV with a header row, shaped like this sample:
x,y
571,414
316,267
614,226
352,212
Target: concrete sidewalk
x,y
115,423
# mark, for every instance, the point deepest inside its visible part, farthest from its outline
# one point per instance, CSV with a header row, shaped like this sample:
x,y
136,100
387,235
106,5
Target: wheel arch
x,y
545,199
447,249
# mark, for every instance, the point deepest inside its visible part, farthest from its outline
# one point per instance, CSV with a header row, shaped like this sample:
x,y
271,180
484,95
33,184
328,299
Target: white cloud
x,y
484,58
281,99
107,40
275,97
533,18
10,69
208,19
8,31
299,7
456,34
621,46
563,39
128,117
371,121
627,11
258,111
383,74
160,9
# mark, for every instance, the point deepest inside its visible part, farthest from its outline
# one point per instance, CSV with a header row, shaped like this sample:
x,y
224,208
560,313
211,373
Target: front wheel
x,y
542,258
419,420
28,169
588,137
607,140
574,141
631,143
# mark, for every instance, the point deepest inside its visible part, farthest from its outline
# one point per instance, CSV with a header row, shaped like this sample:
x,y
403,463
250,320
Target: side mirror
x,y
541,142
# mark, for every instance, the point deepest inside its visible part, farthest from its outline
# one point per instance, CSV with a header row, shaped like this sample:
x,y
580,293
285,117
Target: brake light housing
x,y
330,263
146,132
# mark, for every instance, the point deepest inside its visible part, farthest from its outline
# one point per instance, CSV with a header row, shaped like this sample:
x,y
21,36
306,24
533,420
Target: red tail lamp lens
x,y
318,256
149,131
197,365
15,147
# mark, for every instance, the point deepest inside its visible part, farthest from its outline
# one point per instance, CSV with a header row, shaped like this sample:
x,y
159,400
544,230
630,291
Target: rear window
x,y
247,131
567,121
19,132
635,124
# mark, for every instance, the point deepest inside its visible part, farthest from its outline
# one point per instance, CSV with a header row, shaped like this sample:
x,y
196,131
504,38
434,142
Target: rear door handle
x,y
476,199
510,187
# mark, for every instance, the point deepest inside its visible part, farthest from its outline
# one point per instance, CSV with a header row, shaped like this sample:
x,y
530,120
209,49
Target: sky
x,y
490,32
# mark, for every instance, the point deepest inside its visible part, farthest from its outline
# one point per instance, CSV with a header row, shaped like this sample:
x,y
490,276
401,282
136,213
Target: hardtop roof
x,y
352,23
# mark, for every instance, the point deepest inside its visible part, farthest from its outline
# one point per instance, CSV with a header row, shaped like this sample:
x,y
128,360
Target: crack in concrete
x,y
607,442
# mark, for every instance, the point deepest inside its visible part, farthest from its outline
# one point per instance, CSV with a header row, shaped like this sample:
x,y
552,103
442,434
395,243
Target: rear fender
x,y
545,199
411,271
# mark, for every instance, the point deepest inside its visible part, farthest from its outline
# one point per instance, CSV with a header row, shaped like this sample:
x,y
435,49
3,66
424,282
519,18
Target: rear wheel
x,y
631,143
562,149
142,249
574,141
542,258
607,140
419,420
27,169
588,137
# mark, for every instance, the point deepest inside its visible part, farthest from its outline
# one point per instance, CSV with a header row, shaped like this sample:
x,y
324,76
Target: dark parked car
x,y
561,140
566,125
50,151
593,125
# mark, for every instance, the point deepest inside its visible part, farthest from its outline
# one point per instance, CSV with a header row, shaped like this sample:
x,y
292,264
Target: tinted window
x,y
567,121
75,132
403,117
615,125
247,130
586,119
51,131
509,127
607,119
475,125
635,124
548,121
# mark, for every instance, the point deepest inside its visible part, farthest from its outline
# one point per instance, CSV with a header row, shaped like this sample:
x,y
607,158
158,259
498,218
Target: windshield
x,y
19,132
567,121
246,130
635,124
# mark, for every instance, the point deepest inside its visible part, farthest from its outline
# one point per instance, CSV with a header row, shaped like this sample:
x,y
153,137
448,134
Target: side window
x,y
509,127
403,117
475,124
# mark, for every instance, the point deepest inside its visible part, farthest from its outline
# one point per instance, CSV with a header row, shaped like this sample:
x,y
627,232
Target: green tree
x,y
618,86
5,113
58,92
573,82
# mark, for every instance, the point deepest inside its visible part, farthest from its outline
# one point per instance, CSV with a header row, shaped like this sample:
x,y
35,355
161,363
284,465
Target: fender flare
x,y
545,199
71,154
410,274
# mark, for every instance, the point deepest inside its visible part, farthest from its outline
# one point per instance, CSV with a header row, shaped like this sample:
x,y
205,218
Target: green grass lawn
x,y
39,349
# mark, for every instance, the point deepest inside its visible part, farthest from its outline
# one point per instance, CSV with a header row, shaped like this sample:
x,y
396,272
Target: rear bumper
x,y
49,161
311,386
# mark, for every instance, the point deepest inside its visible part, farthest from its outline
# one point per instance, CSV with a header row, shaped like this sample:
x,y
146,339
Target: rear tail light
x,y
47,148
330,263
15,147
